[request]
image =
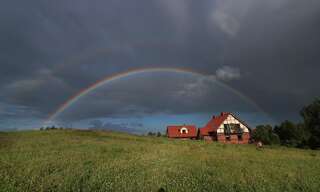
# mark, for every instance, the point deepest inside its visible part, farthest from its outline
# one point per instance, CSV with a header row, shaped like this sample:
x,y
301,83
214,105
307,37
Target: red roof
x,y
176,131
214,124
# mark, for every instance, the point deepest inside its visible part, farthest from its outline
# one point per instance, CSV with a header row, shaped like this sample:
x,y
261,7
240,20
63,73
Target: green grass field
x,y
63,160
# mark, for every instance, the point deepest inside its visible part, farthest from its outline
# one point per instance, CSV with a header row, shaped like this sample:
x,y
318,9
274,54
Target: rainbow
x,y
72,100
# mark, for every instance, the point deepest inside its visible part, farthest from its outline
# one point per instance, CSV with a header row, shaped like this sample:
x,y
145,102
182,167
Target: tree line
x,y
154,134
304,134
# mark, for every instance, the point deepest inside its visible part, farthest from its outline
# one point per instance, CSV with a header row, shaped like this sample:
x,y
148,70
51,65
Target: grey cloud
x,y
228,73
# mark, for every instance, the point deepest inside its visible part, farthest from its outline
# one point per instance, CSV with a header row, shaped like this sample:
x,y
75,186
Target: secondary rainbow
x,y
72,100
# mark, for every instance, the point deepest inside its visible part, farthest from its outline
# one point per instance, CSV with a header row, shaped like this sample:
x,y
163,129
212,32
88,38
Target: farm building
x,y
182,131
226,128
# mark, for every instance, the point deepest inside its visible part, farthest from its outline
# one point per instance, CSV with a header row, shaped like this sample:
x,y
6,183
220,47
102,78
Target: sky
x,y
258,59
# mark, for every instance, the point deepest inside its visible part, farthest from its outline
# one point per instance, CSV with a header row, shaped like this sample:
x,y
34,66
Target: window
x,y
227,131
183,130
239,132
233,129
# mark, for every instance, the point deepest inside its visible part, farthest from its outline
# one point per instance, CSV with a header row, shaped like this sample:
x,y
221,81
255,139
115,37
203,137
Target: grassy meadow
x,y
69,160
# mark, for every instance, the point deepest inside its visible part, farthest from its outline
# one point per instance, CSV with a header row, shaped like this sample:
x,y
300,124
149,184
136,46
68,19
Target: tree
x,y
291,134
158,134
305,135
265,134
311,116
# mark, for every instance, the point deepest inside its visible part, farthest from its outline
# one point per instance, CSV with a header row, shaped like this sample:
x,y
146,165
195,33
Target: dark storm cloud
x,y
277,46
157,93
77,43
52,49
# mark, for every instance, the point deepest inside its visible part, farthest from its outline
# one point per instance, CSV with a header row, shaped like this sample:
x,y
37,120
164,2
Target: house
x,y
226,128
182,131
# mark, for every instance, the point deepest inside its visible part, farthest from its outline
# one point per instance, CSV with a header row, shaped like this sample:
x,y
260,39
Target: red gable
x,y
214,124
182,131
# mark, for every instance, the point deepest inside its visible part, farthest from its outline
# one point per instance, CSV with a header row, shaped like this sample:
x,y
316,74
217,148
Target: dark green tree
x,y
292,134
265,134
311,116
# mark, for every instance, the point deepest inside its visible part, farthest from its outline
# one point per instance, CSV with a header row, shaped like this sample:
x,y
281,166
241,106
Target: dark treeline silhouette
x,y
158,134
52,128
304,134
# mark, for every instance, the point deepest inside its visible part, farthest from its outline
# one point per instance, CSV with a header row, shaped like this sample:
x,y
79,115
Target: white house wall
x,y
231,120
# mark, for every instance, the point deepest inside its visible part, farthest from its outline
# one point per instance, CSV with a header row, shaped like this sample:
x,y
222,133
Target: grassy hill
x,y
106,161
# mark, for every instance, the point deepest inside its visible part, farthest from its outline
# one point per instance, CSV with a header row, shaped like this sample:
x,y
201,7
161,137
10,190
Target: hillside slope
x,y
106,161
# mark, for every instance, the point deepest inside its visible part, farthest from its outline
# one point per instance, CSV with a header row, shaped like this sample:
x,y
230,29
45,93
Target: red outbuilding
x,y
182,131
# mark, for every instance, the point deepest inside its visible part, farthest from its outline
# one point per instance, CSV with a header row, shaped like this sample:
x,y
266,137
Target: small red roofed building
x,y
182,131
226,128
